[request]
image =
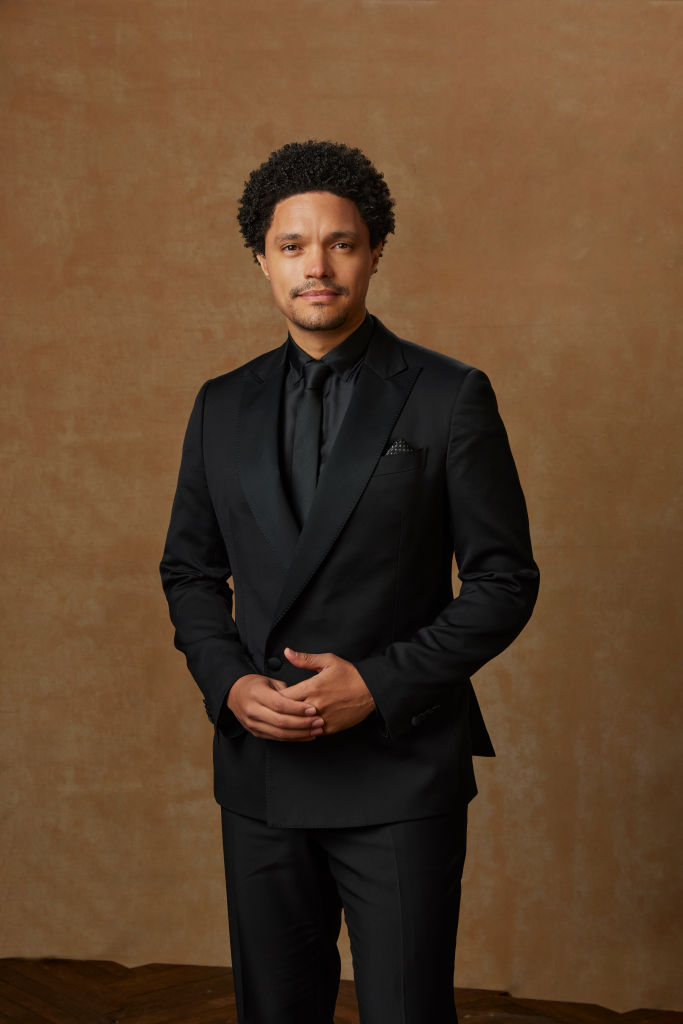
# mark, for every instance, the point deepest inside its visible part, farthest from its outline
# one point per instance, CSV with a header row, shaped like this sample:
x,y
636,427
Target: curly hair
x,y
314,166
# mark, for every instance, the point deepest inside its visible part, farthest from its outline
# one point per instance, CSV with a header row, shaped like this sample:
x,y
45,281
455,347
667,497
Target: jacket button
x,y
274,663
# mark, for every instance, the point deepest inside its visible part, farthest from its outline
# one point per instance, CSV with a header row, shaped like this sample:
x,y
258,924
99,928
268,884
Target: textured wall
x,y
535,151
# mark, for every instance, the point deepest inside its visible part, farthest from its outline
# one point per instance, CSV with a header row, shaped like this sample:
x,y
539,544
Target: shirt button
x,y
274,663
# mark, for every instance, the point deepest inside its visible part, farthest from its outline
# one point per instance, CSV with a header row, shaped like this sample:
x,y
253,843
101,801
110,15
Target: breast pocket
x,y
386,511
405,462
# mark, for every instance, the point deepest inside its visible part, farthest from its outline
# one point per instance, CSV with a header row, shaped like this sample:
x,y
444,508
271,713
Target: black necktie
x,y
306,448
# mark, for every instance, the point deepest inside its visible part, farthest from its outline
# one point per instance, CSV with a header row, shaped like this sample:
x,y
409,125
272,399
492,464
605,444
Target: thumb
x,y
315,662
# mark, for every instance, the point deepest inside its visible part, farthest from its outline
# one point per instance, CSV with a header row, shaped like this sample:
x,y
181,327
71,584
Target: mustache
x,y
318,286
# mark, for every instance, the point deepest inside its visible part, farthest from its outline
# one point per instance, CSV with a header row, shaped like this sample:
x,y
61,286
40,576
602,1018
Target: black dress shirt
x,y
345,361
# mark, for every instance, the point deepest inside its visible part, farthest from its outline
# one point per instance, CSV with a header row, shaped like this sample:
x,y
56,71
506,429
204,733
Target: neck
x,y
318,343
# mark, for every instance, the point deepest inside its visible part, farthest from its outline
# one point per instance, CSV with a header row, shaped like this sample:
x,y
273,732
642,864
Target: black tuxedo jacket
x,y
368,578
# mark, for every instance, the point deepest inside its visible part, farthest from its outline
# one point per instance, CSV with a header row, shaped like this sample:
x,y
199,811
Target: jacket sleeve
x,y
499,578
195,569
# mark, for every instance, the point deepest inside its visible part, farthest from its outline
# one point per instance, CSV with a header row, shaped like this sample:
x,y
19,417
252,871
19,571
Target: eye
x,y
342,245
290,247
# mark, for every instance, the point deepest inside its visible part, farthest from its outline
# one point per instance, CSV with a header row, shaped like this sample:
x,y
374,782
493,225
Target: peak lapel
x,y
383,386
259,457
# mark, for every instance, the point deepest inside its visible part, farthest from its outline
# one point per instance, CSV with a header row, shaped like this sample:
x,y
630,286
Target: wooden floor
x,y
99,992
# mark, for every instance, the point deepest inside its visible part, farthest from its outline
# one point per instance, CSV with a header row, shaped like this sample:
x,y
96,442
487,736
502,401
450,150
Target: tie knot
x,y
315,374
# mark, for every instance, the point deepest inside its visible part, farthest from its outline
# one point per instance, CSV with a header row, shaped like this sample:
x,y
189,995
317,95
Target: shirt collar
x,y
343,358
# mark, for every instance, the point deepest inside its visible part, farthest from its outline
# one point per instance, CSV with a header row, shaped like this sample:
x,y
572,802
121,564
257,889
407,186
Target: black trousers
x,y
399,886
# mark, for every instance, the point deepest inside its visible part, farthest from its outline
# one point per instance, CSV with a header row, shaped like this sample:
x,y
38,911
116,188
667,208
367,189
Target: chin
x,y
320,320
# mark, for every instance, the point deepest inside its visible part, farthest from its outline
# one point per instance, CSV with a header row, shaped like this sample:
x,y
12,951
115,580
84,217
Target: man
x,y
333,479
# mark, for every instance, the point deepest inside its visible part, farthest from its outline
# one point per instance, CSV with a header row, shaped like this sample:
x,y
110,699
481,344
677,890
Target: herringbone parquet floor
x,y
99,992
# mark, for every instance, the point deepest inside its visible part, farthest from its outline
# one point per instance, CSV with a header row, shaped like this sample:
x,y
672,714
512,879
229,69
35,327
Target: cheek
x,y
288,280
280,286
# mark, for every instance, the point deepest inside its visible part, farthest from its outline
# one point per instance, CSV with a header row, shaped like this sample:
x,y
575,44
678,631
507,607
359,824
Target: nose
x,y
317,262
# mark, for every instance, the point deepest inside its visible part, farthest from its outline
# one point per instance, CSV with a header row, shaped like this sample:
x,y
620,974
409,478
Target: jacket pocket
x,y
403,463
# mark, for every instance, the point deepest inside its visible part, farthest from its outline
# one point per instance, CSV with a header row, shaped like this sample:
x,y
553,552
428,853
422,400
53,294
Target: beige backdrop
x,y
535,150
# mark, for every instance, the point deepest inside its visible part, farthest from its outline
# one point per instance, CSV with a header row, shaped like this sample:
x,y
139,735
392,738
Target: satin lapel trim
x,y
259,458
367,426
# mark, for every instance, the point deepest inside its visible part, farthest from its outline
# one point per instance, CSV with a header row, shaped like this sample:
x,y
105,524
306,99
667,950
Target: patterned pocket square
x,y
399,447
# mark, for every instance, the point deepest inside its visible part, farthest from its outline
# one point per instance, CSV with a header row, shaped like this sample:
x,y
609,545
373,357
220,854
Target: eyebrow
x,y
293,236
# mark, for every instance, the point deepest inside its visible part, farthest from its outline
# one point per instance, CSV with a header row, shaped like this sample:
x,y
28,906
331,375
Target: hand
x,y
265,709
336,690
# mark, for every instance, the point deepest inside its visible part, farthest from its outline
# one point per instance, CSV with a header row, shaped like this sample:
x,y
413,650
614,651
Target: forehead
x,y
316,212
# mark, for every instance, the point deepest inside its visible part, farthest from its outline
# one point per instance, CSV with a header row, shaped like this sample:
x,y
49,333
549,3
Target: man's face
x,y
319,263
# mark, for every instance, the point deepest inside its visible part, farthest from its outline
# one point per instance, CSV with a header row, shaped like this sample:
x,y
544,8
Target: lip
x,y
323,294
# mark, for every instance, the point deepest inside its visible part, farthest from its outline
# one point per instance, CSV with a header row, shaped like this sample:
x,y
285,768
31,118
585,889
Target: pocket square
x,y
399,447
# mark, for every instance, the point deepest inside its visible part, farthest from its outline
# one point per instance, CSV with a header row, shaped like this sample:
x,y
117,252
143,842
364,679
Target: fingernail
x,y
318,723
310,711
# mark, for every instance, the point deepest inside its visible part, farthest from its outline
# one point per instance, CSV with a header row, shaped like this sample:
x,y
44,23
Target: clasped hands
x,y
333,698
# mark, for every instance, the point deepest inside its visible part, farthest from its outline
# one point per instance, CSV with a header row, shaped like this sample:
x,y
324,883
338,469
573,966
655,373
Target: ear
x,y
263,265
376,253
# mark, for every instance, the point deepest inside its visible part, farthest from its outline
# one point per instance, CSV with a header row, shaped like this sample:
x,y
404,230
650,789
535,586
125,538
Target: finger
x,y
285,723
260,716
314,662
306,708
283,703
277,684
301,692
285,728
294,707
